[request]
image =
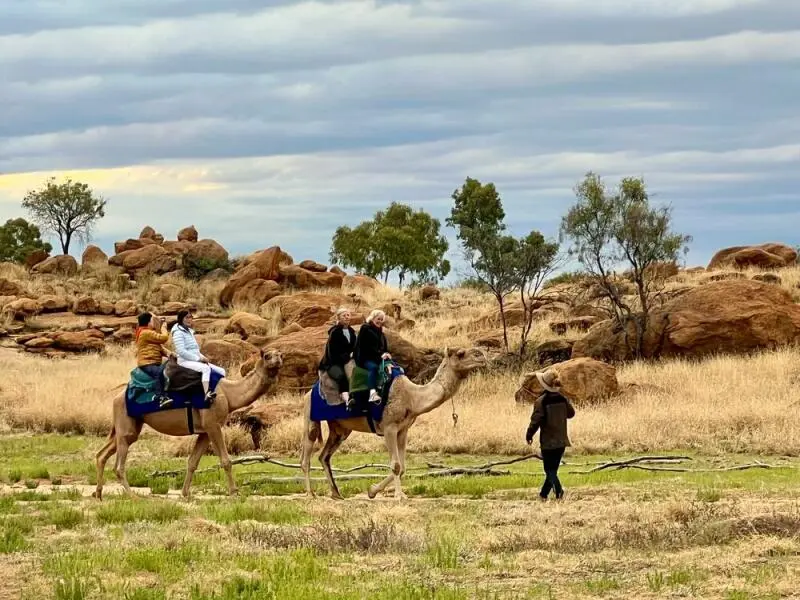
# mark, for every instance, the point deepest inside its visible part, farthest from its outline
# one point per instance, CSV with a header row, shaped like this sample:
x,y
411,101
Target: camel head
x,y
464,361
270,361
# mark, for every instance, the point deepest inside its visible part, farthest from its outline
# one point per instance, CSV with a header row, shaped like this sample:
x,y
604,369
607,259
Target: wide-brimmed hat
x,y
549,380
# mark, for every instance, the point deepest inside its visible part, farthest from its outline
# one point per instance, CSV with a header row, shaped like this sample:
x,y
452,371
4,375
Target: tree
x,y
19,239
396,239
68,210
609,229
498,260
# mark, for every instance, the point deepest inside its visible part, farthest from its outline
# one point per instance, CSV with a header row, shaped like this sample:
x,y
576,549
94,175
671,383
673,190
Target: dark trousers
x,y
336,372
551,460
155,372
372,378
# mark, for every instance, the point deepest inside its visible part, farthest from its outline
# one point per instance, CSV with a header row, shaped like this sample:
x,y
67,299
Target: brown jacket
x,y
150,347
550,414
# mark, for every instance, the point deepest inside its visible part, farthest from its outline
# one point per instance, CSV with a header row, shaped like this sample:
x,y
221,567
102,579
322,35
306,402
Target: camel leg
x,y
390,438
402,438
200,445
123,442
101,458
313,432
335,438
217,438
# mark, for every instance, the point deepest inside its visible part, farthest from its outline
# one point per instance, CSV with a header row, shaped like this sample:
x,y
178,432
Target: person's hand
x,y
203,359
529,435
386,356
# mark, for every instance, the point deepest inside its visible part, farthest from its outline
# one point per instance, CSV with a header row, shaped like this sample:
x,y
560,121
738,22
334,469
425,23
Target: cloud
x,y
275,122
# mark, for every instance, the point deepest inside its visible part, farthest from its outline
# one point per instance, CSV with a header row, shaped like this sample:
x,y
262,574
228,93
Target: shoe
x,y
374,397
210,397
164,401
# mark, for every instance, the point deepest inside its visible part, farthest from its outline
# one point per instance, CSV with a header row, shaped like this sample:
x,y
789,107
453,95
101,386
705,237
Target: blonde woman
x,y
338,351
371,349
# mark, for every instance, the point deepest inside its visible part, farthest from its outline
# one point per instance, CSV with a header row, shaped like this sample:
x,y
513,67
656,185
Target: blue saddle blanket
x,y
140,397
322,411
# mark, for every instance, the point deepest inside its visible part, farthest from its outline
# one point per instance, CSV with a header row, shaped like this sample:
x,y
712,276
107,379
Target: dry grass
x,y
725,404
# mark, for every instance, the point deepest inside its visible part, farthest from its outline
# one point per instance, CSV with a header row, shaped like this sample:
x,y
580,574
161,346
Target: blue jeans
x,y
155,372
372,378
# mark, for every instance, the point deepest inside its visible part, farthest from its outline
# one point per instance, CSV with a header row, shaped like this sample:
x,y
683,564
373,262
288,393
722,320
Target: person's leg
x,y
557,456
336,372
154,371
372,379
548,458
205,374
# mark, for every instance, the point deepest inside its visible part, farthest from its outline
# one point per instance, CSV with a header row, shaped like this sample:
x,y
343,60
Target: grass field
x,y
619,534
704,532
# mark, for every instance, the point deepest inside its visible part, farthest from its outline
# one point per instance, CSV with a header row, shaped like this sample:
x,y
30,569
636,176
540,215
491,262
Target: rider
x,y
188,350
339,351
150,340
371,349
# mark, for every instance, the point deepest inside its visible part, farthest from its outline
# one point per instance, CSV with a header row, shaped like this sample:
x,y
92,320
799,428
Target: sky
x,y
274,122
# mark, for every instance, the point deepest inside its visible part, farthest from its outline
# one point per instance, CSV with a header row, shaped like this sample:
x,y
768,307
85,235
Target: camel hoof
x,y
97,494
371,493
336,496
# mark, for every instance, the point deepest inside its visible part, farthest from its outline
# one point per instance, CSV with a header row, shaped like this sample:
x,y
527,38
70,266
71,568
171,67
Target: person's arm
x,y
570,408
537,416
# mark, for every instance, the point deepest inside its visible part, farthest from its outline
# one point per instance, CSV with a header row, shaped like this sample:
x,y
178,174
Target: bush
x,y
197,268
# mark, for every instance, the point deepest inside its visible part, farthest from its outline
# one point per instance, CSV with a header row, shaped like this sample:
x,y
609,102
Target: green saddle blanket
x,y
141,387
359,380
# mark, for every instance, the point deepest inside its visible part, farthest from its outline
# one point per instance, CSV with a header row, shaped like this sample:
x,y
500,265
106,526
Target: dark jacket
x,y
370,345
338,350
550,414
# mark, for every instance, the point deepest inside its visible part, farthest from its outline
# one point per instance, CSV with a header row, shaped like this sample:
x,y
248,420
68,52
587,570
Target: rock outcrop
x,y
763,256
725,317
63,264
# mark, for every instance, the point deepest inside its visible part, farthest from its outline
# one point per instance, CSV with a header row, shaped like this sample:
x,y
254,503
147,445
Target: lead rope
x,y
455,415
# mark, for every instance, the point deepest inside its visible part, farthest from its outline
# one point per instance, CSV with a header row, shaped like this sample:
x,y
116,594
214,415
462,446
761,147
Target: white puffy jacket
x,y
186,346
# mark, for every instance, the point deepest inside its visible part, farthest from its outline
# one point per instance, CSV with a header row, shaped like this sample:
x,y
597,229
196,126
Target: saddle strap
x,y
190,418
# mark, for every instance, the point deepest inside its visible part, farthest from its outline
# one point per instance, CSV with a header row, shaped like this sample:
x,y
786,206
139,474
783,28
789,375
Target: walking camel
x,y
232,395
406,402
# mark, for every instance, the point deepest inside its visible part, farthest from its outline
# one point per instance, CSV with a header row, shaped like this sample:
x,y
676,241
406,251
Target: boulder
x,y
308,309
247,324
168,292
724,317
89,340
93,256
188,234
148,233
10,288
206,251
227,353
151,259
763,256
132,244
119,258
85,305
583,380
125,308
63,264
429,292
580,323
39,342
360,281
173,308
262,265
35,257
105,308
337,270
553,351
54,304
176,248
123,335
216,275
256,292
313,266
22,309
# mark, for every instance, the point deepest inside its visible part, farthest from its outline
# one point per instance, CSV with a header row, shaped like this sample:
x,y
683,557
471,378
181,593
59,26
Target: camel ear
x,y
447,351
461,353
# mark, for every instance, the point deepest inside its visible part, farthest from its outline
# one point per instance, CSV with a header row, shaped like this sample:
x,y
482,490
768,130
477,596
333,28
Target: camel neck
x,y
247,390
437,391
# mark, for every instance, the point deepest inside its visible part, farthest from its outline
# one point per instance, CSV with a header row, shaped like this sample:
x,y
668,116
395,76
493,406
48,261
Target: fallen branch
x,y
440,473
254,459
616,465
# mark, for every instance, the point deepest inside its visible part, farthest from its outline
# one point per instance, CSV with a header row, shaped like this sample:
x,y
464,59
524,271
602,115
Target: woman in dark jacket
x,y
550,413
338,352
371,349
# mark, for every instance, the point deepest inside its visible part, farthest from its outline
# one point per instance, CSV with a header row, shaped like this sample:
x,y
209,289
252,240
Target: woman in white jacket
x,y
188,351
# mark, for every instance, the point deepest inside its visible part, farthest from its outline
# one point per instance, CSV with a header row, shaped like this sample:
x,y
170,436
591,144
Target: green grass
x,y
119,511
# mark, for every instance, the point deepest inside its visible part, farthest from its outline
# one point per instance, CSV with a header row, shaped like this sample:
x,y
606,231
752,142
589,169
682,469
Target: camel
x,y
232,395
406,402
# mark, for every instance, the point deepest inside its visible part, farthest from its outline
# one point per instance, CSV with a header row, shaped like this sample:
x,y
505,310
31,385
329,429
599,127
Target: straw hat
x,y
549,380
